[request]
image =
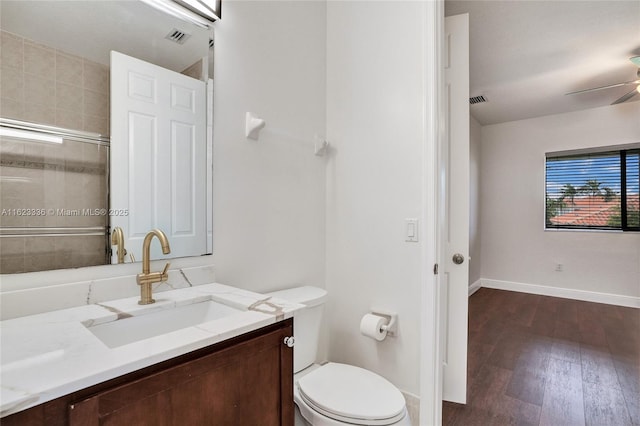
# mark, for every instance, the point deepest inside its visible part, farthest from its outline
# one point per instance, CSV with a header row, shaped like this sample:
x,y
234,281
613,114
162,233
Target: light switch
x,y
411,230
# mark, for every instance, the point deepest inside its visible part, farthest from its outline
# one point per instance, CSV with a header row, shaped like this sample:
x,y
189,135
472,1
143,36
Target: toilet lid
x,y
352,394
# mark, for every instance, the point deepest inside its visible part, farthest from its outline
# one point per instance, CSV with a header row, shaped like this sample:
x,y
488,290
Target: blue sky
x,y
606,169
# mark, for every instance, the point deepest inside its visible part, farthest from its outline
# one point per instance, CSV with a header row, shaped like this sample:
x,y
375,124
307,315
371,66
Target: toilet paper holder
x,y
391,326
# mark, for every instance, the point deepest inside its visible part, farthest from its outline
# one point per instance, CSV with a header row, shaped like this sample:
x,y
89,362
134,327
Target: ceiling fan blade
x,y
593,89
626,97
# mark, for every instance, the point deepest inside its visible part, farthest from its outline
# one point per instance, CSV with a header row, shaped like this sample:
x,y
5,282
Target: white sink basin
x,y
134,329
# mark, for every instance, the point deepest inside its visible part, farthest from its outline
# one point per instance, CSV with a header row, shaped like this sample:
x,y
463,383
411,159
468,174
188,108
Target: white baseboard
x,y
566,293
475,287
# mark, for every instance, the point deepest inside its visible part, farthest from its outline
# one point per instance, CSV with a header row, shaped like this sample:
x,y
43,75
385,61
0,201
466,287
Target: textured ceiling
x,y
525,55
92,28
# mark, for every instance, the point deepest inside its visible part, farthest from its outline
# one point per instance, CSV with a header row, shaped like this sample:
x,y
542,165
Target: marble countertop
x,y
52,354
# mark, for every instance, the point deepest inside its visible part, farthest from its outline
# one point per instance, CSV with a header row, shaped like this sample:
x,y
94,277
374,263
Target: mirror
x,y
56,80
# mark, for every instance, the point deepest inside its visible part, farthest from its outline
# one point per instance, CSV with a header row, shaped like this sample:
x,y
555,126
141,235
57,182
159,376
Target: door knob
x,y
458,258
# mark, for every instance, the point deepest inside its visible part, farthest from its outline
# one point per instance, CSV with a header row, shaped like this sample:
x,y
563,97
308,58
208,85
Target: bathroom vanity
x,y
229,365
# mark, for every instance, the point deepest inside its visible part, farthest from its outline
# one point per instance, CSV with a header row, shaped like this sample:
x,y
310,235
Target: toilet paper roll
x,y
371,326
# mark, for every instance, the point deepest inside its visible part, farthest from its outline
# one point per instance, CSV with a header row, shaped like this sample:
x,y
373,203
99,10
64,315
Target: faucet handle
x,y
165,275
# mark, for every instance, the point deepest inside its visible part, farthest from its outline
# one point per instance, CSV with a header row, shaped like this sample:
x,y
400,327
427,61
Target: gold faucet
x,y
147,278
117,239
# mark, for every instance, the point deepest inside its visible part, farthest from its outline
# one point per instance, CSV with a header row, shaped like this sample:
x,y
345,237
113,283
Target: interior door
x,y
454,218
158,156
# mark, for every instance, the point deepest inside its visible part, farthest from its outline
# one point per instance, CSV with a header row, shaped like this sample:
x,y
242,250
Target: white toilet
x,y
335,394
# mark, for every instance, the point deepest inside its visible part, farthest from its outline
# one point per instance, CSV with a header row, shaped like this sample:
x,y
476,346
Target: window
x,y
593,191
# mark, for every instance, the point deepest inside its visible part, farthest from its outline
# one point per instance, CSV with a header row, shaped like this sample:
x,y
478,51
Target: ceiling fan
x,y
635,91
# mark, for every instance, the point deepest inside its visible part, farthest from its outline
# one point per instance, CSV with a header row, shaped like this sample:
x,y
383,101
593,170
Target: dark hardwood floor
x,y
539,360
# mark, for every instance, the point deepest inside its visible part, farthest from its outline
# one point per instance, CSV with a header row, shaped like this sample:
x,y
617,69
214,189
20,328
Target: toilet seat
x,y
353,395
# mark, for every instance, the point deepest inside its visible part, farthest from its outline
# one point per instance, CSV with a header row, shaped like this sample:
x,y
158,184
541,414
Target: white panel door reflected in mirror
x,y
159,153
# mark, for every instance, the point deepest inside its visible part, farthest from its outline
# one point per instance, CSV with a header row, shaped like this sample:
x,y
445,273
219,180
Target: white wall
x,y
375,100
269,206
269,195
475,135
514,245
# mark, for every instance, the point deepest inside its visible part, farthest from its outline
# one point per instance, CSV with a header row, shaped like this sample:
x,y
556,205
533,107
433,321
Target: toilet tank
x,y
306,322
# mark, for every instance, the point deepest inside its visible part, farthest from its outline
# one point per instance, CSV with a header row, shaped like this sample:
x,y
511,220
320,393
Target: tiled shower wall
x,y
53,186
48,86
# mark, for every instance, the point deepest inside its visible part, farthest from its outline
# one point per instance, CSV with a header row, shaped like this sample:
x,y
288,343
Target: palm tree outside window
x,y
593,191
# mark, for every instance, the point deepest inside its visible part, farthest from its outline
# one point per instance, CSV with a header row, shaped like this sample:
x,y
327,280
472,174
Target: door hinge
x,y
435,269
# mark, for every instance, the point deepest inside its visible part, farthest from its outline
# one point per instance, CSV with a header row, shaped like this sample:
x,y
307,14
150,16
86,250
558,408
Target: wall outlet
x,y
559,267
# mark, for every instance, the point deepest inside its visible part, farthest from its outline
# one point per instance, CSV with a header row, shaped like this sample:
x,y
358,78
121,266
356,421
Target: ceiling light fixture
x,y
210,9
29,135
174,9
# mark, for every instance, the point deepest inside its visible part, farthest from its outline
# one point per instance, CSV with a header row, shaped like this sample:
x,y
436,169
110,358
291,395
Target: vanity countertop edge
x,y
49,355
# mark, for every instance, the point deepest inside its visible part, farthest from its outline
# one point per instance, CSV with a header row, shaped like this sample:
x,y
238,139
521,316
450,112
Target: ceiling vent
x,y
177,36
477,99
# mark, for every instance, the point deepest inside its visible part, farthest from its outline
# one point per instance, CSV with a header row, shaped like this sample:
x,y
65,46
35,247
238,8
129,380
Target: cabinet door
x,y
246,384
31,417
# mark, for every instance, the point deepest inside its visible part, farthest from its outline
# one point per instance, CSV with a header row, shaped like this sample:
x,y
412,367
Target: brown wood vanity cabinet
x,y
247,380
